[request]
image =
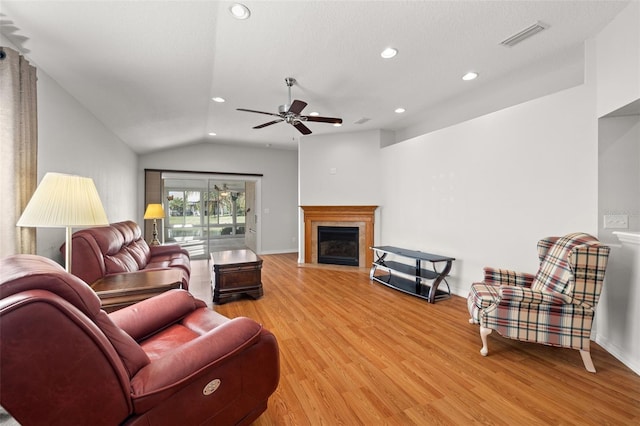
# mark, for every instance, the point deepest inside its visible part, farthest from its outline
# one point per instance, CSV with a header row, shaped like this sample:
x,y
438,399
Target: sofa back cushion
x,y
130,231
133,243
120,262
140,251
122,246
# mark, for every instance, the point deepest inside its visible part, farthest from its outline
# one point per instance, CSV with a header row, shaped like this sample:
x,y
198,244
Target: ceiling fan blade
x,y
297,106
302,128
322,119
268,124
258,112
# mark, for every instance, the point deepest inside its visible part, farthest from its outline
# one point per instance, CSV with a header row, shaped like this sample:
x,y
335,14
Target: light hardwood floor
x,y
354,352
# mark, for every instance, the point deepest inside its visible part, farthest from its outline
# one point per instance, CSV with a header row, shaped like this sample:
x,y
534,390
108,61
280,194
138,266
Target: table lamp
x,y
154,211
64,201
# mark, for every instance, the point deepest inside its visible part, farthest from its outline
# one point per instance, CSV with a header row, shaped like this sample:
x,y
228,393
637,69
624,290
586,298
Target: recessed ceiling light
x,y
212,134
389,53
218,99
471,75
240,11
337,124
400,110
314,114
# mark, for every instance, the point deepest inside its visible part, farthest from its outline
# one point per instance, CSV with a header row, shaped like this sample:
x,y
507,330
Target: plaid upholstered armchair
x,y
554,307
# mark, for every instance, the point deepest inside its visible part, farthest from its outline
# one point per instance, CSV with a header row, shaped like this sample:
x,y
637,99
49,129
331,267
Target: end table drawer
x,y
237,277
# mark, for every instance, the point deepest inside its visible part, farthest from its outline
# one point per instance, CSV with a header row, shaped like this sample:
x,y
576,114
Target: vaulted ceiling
x,y
149,69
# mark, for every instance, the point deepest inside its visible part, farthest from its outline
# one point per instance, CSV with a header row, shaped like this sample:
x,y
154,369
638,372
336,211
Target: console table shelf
x,y
414,280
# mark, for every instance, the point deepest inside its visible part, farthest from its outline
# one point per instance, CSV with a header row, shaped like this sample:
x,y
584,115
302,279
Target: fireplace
x,y
361,217
338,245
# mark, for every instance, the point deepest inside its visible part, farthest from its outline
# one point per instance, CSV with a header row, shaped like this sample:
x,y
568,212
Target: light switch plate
x,y
616,221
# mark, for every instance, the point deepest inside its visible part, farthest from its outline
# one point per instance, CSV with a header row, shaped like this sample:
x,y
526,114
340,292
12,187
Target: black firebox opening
x,y
338,245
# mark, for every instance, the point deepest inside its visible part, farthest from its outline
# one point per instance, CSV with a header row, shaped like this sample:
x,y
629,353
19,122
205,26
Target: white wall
x,y
619,172
618,86
618,61
486,190
71,140
618,316
279,186
340,169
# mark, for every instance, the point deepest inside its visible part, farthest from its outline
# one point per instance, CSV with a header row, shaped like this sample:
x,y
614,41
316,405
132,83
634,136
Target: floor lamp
x,y
154,211
64,201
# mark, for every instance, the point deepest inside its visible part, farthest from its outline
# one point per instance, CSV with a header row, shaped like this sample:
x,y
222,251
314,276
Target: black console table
x,y
414,280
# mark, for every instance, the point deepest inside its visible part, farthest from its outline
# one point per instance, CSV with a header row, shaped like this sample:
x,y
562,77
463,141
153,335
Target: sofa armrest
x,y
167,249
497,276
156,313
510,294
205,351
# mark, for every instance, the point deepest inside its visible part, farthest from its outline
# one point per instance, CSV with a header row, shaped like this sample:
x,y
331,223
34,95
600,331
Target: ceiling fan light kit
x,y
290,113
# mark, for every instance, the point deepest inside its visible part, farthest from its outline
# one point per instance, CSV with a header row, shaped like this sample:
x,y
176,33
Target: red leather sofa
x,y
120,248
168,360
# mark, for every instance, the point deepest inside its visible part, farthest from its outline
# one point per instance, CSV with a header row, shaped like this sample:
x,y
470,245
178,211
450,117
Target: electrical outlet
x,y
616,221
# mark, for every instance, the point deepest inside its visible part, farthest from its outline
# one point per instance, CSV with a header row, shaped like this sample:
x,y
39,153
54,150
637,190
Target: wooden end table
x,y
235,273
120,290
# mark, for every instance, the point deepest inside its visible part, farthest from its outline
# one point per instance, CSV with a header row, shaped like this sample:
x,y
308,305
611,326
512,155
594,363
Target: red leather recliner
x,y
168,360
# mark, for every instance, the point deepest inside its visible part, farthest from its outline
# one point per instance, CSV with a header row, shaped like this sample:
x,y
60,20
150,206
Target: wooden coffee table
x,y
235,273
120,290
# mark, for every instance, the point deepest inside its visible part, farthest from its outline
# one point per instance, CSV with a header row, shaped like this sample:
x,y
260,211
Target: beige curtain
x,y
18,149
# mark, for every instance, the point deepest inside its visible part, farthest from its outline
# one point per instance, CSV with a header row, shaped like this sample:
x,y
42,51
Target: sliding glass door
x,y
205,215
186,224
226,209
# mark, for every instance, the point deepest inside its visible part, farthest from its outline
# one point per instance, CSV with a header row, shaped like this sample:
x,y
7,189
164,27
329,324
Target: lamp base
x,y
154,241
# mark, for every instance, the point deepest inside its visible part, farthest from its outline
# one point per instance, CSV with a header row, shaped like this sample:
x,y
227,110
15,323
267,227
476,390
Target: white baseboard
x,y
632,362
292,250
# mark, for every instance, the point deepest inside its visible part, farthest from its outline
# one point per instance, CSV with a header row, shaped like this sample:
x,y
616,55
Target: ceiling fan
x,y
290,113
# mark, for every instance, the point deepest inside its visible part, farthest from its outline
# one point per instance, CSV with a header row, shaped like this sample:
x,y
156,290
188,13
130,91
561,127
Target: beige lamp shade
x,y
154,211
64,200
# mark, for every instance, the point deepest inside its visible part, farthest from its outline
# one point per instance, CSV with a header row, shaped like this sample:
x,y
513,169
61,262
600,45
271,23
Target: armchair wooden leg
x,y
588,362
484,332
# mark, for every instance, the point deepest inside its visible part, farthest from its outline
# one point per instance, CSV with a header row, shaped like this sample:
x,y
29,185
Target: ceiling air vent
x,y
362,120
524,34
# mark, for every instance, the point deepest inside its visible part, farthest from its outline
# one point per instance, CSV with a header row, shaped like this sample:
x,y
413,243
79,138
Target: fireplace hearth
x,y
338,245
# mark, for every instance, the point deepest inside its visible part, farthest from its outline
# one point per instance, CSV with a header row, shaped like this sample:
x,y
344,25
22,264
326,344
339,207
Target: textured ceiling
x,y
148,69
